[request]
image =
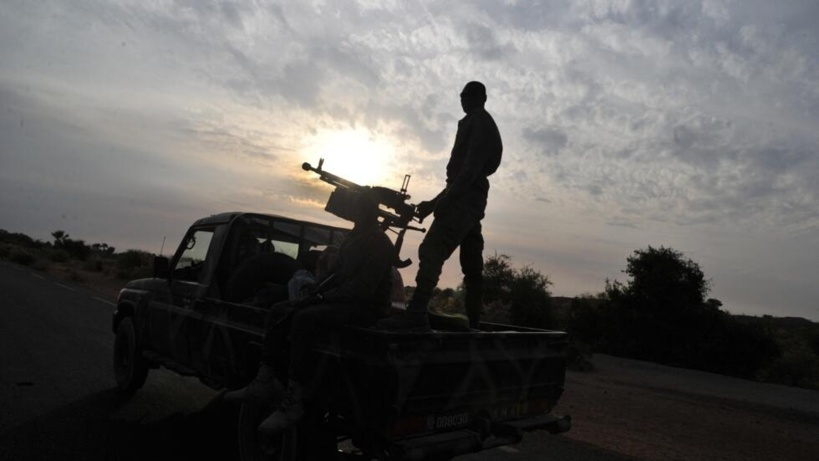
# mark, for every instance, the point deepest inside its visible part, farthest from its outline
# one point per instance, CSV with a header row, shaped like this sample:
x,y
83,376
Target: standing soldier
x,y
458,209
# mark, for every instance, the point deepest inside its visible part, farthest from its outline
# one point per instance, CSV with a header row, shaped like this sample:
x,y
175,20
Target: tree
x,y
662,314
523,293
76,249
665,277
103,248
60,237
653,315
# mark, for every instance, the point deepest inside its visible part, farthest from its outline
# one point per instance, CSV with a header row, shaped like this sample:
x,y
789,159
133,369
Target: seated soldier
x,y
303,282
356,290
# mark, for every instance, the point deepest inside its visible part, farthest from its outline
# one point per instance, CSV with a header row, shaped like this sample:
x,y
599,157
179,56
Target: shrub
x,y
134,264
798,366
578,356
496,312
18,239
523,293
58,256
77,249
75,276
22,256
94,264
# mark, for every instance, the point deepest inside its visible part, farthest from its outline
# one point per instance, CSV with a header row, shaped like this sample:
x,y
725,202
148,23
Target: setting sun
x,y
357,155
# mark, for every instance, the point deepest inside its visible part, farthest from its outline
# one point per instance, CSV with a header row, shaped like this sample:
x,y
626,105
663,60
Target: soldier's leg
x,y
454,220
265,387
309,324
438,245
472,268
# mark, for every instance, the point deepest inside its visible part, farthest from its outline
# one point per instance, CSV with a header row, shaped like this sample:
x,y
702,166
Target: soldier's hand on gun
x,y
424,209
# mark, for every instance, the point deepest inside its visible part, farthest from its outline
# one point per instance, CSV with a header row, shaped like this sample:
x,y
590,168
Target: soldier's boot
x,y
265,389
473,301
414,319
473,311
289,413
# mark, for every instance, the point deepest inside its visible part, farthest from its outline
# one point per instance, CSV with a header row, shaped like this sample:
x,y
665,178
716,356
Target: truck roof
x,y
223,218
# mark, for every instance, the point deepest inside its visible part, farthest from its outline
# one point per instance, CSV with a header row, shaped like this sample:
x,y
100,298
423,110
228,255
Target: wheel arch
x,y
124,309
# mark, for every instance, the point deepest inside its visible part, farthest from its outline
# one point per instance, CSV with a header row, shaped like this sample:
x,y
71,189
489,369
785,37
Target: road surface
x,y
58,401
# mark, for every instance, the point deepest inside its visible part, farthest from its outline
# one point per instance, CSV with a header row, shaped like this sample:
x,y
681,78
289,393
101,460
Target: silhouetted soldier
x,y
355,290
458,210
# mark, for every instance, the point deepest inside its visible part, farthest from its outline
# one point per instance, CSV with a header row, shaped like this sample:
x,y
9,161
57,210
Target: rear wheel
x,y
130,369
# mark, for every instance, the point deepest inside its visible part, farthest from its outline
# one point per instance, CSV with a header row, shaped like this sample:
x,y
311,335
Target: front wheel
x,y
130,369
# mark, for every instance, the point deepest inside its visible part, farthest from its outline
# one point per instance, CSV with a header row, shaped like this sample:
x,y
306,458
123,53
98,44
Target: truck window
x,y
190,263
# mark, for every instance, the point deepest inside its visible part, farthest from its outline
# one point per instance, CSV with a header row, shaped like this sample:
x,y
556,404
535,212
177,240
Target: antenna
x,y
163,246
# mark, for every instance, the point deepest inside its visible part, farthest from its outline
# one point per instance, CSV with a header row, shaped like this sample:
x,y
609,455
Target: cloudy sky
x,y
689,124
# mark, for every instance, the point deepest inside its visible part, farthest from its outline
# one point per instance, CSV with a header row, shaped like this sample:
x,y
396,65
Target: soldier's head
x,y
359,206
364,209
473,96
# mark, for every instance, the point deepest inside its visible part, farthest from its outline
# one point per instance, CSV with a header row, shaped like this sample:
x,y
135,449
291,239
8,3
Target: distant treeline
x,y
96,257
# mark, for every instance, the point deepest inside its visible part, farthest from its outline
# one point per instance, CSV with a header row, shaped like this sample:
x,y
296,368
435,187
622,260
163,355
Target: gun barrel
x,y
330,178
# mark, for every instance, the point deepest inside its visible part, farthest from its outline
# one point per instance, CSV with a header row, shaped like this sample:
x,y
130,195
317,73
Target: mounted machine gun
x,y
397,217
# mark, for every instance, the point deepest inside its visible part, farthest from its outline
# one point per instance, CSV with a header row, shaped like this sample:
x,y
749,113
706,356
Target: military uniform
x,y
459,211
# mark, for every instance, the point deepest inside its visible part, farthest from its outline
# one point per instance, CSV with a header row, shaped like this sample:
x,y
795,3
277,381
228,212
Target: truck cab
x,y
193,315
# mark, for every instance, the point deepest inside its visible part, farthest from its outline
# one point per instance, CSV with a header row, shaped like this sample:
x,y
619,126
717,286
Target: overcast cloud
x,y
690,124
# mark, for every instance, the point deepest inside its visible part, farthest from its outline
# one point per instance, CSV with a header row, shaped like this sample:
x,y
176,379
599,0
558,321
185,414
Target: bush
x,y
75,276
22,256
94,264
522,293
578,356
797,366
496,312
585,319
18,239
134,264
77,249
58,256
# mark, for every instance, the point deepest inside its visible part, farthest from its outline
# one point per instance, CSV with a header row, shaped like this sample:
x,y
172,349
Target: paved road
x,y
57,396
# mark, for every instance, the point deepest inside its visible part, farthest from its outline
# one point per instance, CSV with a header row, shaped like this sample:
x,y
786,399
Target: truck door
x,y
190,271
257,255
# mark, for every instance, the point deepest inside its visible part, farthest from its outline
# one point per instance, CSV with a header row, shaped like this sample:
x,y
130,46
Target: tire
x,y
130,368
253,447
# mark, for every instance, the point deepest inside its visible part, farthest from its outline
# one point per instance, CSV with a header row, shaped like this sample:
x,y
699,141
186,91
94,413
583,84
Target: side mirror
x,y
162,267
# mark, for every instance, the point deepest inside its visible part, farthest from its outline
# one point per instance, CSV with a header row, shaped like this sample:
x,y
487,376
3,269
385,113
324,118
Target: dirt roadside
x,y
649,411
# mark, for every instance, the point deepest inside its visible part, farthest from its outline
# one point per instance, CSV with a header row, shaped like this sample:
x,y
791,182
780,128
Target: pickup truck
x,y
379,395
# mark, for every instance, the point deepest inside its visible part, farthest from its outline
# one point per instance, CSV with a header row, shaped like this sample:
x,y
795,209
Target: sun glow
x,y
357,155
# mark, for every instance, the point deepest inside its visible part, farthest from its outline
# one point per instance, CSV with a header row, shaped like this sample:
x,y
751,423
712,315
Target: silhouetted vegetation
x,y
663,315
97,257
134,264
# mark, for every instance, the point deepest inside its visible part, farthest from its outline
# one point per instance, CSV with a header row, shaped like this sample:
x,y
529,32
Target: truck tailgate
x,y
406,385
